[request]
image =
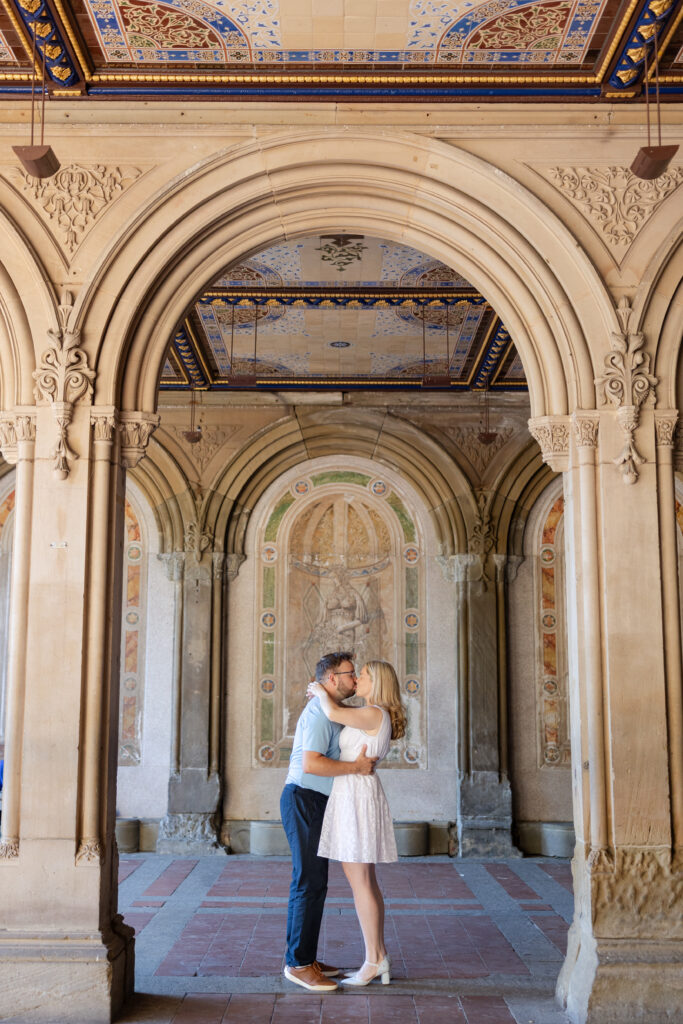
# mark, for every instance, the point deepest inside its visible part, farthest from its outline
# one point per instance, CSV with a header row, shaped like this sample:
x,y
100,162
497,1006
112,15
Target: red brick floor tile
x,y
343,1010
391,1010
561,873
202,1009
486,1010
127,867
297,1009
554,928
439,1010
169,880
512,883
137,919
249,1009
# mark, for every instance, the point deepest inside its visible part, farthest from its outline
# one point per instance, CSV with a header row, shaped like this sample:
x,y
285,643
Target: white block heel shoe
x,y
368,972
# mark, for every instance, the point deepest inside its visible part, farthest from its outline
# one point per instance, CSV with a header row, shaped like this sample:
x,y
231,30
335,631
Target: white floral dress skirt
x,y
357,827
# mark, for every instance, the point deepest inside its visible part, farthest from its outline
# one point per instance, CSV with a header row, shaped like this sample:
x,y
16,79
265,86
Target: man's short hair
x,y
330,662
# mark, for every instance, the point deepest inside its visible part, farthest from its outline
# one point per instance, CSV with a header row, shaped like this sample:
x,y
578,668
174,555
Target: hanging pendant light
x,y
194,434
486,435
38,161
652,161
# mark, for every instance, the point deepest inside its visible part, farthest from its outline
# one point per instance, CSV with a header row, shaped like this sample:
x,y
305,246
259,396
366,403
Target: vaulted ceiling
x,y
391,49
345,311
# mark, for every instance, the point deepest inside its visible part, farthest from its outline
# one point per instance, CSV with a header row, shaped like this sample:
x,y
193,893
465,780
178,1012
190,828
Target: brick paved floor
x,y
471,942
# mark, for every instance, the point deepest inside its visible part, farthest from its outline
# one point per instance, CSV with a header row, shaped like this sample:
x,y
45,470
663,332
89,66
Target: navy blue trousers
x,y
302,813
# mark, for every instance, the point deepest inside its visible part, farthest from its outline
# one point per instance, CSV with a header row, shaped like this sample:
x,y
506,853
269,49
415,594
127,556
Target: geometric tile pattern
x,y
503,49
470,942
132,642
356,309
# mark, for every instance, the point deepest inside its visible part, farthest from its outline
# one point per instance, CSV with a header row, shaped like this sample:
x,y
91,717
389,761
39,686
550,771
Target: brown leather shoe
x,y
310,977
329,972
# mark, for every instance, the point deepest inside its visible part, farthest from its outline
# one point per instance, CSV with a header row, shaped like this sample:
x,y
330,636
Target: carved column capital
x,y
586,427
174,563
552,435
665,427
461,568
136,429
15,427
232,566
104,421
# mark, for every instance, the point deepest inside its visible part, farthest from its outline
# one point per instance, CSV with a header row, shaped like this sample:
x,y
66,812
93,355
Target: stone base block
x,y
482,838
149,834
412,838
63,980
128,835
439,838
236,836
189,835
623,982
268,839
546,838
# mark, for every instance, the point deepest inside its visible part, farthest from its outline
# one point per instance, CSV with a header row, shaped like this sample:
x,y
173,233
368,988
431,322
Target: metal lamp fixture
x,y
652,161
194,434
38,161
486,435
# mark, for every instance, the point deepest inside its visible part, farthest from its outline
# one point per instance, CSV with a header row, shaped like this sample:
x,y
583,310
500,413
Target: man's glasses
x,y
352,673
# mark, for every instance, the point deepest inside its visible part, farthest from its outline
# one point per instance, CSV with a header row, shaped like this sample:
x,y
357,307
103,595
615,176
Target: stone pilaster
x,y
625,952
484,820
58,881
191,825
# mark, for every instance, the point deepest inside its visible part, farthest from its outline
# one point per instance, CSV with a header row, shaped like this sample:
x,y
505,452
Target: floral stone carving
x,y
627,383
480,455
62,379
616,202
639,893
75,196
552,434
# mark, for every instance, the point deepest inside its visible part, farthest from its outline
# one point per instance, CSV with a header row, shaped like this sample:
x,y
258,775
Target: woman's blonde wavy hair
x,y
386,693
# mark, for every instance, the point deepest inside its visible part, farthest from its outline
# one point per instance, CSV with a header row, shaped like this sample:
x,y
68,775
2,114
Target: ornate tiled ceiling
x,y
342,310
417,49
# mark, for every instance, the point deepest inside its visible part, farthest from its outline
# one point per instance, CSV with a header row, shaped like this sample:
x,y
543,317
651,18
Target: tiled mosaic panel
x,y
132,642
413,32
341,569
552,698
6,523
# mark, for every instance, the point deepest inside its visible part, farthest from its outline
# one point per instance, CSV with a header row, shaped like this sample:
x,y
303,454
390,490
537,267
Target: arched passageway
x,y
109,344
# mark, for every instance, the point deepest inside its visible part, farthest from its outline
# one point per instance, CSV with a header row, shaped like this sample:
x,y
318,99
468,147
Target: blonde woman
x,y
357,828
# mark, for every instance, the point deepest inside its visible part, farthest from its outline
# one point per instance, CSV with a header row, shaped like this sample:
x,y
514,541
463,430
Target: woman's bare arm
x,y
368,719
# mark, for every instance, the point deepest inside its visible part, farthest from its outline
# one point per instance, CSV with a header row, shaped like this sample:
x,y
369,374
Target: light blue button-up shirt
x,y
314,731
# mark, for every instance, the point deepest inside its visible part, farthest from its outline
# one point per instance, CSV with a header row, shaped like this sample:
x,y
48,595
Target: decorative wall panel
x,y
132,641
552,689
341,568
6,537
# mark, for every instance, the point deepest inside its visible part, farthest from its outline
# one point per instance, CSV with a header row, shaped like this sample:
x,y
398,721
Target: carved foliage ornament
x,y
62,379
627,383
616,202
637,892
75,196
197,540
136,429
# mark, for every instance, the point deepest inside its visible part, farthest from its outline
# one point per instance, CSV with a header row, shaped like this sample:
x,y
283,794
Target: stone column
x,y
63,945
625,954
484,796
191,823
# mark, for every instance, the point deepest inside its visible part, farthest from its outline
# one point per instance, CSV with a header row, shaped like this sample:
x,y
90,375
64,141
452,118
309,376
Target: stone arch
x,y
442,486
659,314
434,197
28,309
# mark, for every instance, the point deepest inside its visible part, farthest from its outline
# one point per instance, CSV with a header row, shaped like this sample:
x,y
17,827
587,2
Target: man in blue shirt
x,y
313,764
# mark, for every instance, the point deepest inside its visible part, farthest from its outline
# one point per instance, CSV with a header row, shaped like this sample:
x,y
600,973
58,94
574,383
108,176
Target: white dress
x,y
357,826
